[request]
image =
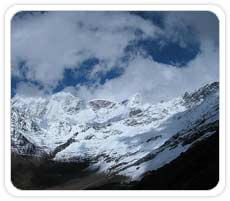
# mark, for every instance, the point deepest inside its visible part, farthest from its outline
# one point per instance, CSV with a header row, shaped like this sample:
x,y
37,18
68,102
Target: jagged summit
x,y
128,138
135,100
62,94
201,93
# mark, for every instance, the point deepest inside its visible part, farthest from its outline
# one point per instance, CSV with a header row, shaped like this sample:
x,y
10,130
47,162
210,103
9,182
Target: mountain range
x,y
129,138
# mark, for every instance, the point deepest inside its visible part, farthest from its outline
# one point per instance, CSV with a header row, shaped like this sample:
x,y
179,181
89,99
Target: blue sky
x,y
113,54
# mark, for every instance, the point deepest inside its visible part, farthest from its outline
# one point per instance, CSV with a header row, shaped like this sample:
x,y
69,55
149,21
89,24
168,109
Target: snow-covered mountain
x,y
127,138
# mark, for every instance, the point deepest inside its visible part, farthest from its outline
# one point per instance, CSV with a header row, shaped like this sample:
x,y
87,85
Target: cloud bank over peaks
x,y
156,81
46,45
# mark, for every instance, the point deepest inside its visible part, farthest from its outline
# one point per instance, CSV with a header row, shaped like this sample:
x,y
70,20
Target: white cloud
x,y
29,89
156,81
55,41
204,24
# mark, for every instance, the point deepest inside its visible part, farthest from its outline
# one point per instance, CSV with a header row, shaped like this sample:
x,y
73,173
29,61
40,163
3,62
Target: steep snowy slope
x,y
128,138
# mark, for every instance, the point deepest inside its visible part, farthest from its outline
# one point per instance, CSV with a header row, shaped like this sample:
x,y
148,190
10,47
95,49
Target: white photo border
x,y
105,193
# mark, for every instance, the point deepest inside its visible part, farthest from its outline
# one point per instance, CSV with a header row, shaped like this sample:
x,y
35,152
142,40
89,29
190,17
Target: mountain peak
x,y
201,93
62,94
135,100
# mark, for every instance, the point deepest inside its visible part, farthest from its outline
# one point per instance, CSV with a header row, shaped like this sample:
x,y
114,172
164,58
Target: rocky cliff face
x,y
128,138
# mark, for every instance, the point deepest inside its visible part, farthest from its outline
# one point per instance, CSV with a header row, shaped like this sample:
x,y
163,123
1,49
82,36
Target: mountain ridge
x,y
128,138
